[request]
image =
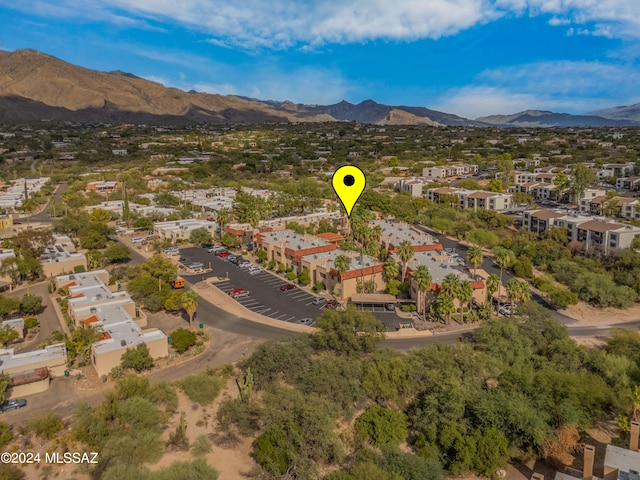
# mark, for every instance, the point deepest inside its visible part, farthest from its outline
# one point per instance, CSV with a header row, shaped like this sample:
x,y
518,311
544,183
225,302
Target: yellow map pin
x,y
348,183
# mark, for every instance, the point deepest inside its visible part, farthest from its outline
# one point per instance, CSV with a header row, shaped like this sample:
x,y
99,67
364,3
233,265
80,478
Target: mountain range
x,y
36,87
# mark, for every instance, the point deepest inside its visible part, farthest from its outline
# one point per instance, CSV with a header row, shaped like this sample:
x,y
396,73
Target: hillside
x,y
540,118
628,112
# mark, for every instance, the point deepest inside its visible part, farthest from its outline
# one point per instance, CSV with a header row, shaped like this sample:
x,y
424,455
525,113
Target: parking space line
x,y
297,294
283,315
250,304
301,299
273,314
262,311
289,319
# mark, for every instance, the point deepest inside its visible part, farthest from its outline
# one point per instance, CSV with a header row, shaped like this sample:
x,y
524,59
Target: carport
x,y
375,299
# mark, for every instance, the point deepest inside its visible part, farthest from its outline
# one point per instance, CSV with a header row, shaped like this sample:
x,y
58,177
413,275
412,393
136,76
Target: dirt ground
x,y
585,313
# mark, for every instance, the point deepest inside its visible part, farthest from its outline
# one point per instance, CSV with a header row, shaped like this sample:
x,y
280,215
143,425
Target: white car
x,y
246,265
255,271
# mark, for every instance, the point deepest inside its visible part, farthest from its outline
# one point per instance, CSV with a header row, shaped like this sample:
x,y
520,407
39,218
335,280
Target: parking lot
x,y
264,294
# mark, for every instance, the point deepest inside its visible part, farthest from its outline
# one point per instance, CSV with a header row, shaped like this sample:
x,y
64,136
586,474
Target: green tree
x,y
30,304
7,335
182,339
464,295
222,219
504,258
348,331
583,177
8,305
202,388
5,434
496,185
391,269
190,304
262,256
116,253
423,281
445,306
405,253
493,283
304,278
381,426
137,358
5,383
475,257
200,236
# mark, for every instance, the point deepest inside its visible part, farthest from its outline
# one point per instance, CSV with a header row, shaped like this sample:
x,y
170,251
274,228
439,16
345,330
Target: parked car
x,y
207,245
235,291
13,404
390,306
223,255
305,321
332,304
288,286
241,295
505,310
255,271
317,301
244,264
216,249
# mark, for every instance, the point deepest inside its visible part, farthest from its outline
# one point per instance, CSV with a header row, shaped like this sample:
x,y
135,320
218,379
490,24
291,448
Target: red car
x,y
288,286
223,254
236,291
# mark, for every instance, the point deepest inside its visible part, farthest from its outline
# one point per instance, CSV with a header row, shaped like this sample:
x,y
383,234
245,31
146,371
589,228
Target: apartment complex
x,y
393,233
441,264
96,304
12,196
449,170
289,248
473,199
361,269
181,229
593,232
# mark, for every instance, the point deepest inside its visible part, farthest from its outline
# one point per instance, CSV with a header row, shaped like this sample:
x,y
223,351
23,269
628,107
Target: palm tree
x,y
475,257
503,259
422,277
391,269
523,293
222,218
445,306
513,291
405,252
342,263
450,286
465,294
189,302
493,283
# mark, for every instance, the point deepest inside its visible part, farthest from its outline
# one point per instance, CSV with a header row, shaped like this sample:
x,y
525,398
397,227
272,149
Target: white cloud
x,y
287,23
571,87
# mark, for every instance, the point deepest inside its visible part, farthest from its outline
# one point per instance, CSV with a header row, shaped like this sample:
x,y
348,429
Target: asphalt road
x,y
43,215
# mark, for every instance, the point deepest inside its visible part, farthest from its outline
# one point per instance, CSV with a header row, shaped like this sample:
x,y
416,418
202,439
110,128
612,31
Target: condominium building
x,y
361,269
288,247
96,304
61,257
594,232
181,229
393,233
473,199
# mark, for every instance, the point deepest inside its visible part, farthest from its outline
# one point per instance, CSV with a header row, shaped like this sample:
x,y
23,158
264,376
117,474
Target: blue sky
x,y
469,57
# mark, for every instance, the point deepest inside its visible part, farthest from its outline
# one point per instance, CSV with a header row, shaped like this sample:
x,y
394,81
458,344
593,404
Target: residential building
x,y
31,372
181,229
593,232
101,186
473,199
628,183
441,264
95,304
61,257
288,247
318,263
362,268
393,233
6,221
449,170
413,186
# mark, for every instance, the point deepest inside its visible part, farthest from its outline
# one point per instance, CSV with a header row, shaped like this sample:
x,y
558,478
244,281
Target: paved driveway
x,y
265,296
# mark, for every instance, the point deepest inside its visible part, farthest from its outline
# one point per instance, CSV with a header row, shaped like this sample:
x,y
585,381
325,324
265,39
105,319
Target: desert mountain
x,y
35,87
541,118
630,112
